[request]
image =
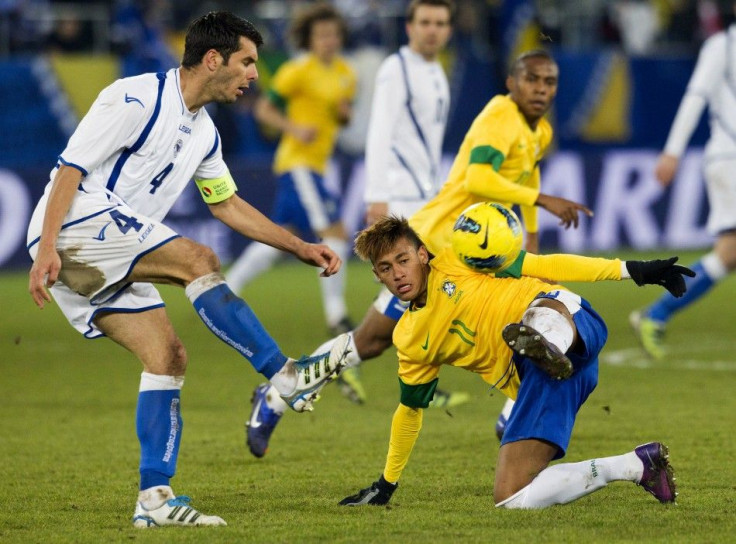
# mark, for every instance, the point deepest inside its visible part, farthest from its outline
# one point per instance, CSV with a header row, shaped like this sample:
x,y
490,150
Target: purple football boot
x,y
659,476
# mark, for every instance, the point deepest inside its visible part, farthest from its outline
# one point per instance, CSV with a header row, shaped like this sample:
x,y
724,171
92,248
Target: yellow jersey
x,y
310,91
461,324
501,138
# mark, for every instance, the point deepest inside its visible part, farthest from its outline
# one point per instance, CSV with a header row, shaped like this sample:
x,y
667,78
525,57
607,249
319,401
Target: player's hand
x,y
321,256
661,272
375,211
378,494
665,169
566,210
44,273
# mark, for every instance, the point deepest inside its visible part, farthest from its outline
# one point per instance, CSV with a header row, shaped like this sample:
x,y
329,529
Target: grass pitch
x,y
69,454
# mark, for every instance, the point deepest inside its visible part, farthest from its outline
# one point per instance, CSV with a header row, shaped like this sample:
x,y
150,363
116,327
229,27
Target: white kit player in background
x,y
713,84
411,101
98,243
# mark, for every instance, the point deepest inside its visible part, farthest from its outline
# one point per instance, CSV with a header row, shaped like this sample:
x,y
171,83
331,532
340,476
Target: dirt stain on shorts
x,y
79,276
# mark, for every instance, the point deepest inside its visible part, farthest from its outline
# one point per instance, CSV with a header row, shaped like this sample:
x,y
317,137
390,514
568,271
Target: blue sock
x,y
232,320
158,424
667,304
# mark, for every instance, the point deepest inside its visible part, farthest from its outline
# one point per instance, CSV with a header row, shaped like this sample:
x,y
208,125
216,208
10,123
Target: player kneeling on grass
x,y
536,342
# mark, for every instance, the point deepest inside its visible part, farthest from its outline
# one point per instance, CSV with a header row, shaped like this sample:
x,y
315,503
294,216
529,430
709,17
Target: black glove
x,y
661,272
378,494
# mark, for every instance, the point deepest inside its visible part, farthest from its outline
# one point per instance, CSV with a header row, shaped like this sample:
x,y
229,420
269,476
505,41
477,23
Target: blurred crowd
x,y
145,32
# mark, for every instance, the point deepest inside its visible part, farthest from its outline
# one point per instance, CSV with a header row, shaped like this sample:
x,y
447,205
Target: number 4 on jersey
x,y
125,222
159,178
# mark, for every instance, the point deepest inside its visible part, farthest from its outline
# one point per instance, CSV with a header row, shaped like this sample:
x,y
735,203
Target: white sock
x,y
554,326
154,497
352,359
714,267
274,401
256,259
286,379
566,482
333,288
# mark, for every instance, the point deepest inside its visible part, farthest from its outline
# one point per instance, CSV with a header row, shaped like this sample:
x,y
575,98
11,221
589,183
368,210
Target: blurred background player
x,y
532,340
411,101
309,100
711,85
498,161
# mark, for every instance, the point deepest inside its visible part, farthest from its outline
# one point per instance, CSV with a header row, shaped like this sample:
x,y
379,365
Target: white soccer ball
x,y
487,237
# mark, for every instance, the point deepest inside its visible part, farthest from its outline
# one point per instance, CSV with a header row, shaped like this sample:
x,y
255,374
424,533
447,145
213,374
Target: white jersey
x,y
407,125
140,142
713,83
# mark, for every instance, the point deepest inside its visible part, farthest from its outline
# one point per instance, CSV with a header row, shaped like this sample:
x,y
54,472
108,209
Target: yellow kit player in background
x,y
473,320
309,100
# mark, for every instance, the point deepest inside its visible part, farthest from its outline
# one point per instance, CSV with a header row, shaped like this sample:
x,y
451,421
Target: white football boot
x,y
313,373
167,509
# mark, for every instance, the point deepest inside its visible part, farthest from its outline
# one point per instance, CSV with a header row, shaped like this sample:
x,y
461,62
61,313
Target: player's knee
x,y
203,261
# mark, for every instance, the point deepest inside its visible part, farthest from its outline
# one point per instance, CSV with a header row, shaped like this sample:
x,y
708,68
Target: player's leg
x,y
553,321
541,424
150,336
650,323
184,262
647,466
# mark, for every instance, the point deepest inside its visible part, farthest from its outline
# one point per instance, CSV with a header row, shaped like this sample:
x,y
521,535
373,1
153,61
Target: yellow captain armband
x,y
216,190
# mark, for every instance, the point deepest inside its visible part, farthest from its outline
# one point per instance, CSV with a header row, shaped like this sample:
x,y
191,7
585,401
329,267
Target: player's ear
x,y
510,83
423,254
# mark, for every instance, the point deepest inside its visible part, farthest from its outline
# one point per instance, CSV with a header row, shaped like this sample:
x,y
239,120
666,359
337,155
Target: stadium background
x,y
624,66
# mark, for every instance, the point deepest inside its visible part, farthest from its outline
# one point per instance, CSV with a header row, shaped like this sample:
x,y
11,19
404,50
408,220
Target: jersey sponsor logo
x,y
449,288
101,235
185,129
426,343
129,99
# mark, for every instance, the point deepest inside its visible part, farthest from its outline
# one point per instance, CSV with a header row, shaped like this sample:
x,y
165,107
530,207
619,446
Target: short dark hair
x,y
219,30
378,239
414,4
301,27
518,64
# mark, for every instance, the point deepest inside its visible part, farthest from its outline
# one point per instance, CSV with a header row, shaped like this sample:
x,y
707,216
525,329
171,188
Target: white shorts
x,y
100,242
720,181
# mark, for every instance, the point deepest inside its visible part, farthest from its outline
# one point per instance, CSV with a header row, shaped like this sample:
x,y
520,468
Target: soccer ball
x,y
487,237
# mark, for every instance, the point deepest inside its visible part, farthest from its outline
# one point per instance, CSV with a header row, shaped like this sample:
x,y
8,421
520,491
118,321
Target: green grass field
x,y
69,454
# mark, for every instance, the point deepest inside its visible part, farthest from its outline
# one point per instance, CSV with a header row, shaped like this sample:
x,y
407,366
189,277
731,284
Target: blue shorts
x,y
303,202
545,408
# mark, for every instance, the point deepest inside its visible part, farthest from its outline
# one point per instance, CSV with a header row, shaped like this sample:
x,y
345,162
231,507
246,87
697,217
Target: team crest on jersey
x,y
449,288
177,146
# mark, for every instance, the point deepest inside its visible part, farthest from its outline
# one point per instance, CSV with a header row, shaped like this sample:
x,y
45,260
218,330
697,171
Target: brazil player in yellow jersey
x,y
534,341
308,101
498,161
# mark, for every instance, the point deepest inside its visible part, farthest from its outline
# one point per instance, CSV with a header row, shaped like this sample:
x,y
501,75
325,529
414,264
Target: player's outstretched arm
x,y
240,216
564,267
